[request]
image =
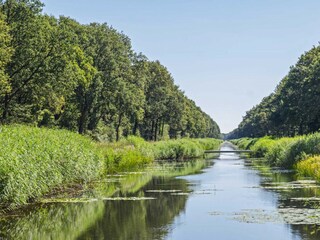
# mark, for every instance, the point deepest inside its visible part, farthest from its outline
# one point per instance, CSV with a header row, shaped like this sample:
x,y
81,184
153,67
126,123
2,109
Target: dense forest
x,y
293,108
87,78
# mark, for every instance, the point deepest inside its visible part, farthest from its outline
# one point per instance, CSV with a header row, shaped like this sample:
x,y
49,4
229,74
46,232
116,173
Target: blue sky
x,y
225,54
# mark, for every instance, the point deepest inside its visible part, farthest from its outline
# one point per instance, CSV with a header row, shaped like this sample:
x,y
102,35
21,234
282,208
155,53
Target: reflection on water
x,y
141,219
52,221
88,217
234,198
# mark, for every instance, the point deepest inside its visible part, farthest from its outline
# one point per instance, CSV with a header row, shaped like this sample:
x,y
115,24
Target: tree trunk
x,y
162,128
118,128
5,108
82,121
135,127
156,131
151,133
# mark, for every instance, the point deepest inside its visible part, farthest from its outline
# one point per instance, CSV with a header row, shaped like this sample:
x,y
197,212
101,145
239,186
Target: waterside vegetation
x,y
35,161
301,152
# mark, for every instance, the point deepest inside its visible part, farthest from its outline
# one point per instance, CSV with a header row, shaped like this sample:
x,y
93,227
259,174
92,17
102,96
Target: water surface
x,y
230,198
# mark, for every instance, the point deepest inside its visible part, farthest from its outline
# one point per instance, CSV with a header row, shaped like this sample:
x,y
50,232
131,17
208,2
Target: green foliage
x,y
309,167
120,158
184,148
59,73
5,55
277,154
285,152
177,149
143,146
262,146
132,153
244,143
293,108
87,78
35,160
305,146
208,143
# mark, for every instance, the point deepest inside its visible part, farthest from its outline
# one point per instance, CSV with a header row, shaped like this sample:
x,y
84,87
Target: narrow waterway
x,y
237,209
228,197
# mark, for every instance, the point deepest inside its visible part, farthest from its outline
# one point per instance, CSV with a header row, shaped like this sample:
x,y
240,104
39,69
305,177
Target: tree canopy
x,y
87,78
293,108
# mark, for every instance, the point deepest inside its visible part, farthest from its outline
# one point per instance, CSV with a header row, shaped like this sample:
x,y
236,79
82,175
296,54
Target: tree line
x,y
56,72
293,108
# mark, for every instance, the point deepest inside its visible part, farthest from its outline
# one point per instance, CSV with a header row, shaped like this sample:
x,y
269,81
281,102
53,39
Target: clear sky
x,y
225,54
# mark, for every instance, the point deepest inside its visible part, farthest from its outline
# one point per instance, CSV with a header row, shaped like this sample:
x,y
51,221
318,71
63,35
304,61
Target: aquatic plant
x,y
35,160
309,167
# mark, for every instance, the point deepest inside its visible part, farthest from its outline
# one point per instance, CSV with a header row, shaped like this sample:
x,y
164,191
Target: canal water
x,y
228,197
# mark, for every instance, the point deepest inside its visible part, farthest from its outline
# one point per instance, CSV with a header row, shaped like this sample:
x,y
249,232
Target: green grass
x,y
35,161
122,158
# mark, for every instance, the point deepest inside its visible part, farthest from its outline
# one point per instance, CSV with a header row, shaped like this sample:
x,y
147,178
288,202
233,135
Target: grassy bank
x,y
301,153
34,161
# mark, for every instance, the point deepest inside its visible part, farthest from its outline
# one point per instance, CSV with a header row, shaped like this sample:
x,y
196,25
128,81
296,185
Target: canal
x,y
228,197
